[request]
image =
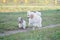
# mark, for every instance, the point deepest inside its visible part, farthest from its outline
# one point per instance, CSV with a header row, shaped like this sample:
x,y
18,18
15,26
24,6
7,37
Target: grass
x,y
42,34
18,8
8,20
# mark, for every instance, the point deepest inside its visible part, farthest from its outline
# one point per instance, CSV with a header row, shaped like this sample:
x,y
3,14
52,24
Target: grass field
x,y
42,34
8,20
18,8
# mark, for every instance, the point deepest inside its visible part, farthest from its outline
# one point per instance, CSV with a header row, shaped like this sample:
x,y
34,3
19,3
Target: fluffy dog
x,y
35,19
21,23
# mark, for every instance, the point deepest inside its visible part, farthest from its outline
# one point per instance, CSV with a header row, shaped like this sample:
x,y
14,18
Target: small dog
x,y
21,23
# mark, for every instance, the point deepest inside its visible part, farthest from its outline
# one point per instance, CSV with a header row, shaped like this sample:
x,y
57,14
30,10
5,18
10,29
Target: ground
x,y
42,34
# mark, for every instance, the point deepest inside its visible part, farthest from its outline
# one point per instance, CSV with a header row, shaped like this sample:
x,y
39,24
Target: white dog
x,y
35,19
21,23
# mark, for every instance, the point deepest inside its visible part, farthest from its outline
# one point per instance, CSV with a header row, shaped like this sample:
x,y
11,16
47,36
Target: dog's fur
x,y
21,23
35,19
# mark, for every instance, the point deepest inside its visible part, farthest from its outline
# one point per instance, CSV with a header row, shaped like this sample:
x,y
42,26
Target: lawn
x,y
8,20
42,34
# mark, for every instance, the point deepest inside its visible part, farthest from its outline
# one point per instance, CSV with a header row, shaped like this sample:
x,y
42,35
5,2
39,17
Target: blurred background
x,y
24,5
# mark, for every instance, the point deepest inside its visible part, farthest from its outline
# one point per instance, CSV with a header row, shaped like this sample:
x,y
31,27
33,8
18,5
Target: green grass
x,y
42,34
8,20
50,17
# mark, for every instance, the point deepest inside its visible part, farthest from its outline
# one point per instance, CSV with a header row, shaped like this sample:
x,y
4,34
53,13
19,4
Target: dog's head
x,y
31,15
20,20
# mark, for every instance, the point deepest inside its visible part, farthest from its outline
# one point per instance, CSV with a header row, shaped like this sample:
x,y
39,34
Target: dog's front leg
x,y
19,25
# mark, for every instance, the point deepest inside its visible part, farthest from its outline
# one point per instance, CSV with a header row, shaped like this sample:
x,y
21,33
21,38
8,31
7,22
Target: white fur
x,y
30,23
38,13
21,24
28,14
36,21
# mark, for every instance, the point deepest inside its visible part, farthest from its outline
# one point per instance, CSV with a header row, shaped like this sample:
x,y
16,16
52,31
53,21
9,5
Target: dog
x,y
21,23
35,19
